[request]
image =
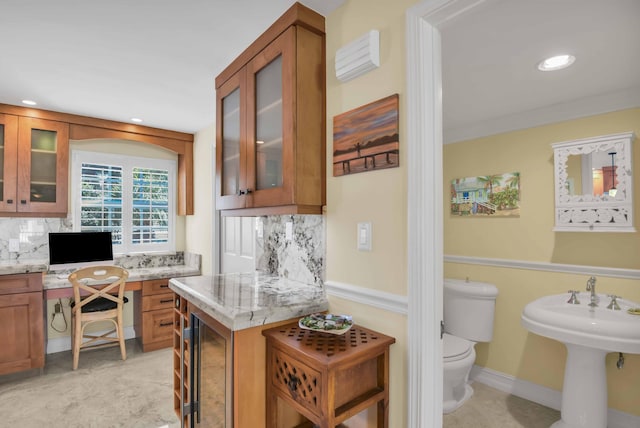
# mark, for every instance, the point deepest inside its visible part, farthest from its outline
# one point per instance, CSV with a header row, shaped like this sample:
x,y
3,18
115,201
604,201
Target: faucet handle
x,y
614,302
574,298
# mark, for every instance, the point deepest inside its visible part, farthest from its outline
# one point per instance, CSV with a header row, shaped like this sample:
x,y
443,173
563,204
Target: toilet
x,y
468,318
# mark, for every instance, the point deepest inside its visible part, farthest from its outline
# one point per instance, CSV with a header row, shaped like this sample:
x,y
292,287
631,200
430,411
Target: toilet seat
x,y
455,348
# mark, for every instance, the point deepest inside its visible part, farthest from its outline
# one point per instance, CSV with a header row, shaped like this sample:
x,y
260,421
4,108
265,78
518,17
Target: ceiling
x,y
118,59
490,81
157,59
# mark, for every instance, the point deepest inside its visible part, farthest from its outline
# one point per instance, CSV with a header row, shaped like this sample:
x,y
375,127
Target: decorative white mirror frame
x,y
599,213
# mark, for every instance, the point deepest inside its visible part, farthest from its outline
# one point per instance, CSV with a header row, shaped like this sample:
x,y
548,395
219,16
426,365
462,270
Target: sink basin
x,y
600,328
589,333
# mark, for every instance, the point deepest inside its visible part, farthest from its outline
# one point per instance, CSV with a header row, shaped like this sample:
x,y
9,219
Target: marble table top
x,y
53,281
244,300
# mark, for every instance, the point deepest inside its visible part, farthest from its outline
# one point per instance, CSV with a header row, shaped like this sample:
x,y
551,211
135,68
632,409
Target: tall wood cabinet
x,y
21,322
270,104
34,155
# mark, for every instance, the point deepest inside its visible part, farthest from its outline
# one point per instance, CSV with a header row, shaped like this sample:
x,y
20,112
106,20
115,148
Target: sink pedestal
x,y
584,392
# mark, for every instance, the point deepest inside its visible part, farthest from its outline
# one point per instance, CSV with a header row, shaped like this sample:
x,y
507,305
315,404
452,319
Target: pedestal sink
x,y
589,333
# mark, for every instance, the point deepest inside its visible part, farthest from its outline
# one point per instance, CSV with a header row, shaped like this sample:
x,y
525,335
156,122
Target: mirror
x,y
593,184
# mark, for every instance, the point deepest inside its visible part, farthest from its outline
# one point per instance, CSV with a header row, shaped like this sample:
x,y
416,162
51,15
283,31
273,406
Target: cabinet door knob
x,y
247,191
240,192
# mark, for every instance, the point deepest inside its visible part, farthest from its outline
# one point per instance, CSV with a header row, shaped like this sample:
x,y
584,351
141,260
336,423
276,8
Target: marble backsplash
x,y
302,257
32,235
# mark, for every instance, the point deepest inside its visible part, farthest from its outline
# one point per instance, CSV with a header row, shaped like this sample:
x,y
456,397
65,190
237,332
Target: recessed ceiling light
x,y
29,102
136,120
557,62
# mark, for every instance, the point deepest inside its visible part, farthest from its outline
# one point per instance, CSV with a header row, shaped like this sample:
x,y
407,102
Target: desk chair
x,y
97,303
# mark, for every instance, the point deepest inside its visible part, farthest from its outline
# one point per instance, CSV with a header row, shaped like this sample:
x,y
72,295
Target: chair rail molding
x,y
546,266
377,299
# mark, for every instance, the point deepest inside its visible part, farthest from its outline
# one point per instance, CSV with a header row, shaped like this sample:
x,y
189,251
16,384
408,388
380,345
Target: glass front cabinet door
x,y
252,148
8,162
270,151
42,163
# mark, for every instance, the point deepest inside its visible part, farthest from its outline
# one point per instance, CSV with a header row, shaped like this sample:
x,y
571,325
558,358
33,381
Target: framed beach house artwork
x,y
366,138
486,196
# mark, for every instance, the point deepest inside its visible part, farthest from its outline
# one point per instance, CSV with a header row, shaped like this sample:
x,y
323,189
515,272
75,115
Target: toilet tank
x,y
469,309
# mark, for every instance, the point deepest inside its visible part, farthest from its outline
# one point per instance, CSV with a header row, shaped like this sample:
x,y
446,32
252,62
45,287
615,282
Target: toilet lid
x,y
455,348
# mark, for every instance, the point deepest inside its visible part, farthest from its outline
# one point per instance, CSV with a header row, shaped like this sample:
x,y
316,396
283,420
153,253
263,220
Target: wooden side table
x,y
327,378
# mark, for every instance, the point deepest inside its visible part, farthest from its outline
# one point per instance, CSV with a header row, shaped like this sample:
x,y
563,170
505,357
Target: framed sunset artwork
x,y
366,138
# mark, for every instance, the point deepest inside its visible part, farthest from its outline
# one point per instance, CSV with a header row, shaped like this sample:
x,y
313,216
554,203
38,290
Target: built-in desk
x,y
56,287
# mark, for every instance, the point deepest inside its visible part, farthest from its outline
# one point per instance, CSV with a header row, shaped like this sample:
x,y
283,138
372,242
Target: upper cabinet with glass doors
x,y
34,157
270,103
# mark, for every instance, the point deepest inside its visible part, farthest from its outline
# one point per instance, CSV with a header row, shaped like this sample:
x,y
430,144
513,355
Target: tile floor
x,y
491,408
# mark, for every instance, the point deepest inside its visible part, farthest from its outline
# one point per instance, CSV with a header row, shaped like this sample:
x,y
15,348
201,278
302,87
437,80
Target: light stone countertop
x,y
10,267
244,300
53,281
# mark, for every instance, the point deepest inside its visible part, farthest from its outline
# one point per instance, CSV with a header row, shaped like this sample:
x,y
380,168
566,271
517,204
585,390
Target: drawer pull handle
x,y
292,384
164,286
165,324
166,301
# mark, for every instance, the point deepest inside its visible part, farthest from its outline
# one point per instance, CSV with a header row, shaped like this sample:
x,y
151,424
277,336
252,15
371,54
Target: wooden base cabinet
x,y
154,315
237,357
21,322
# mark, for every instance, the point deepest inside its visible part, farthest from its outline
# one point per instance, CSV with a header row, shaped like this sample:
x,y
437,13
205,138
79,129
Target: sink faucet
x,y
591,286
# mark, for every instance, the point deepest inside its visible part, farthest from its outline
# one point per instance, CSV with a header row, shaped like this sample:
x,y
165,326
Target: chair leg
x,y
120,328
77,340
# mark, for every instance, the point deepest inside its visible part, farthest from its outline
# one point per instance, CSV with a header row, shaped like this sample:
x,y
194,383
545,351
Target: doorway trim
x,y
425,205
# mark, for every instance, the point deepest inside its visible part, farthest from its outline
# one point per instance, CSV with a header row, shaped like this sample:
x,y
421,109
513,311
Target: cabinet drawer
x,y
157,301
299,382
20,283
157,326
155,286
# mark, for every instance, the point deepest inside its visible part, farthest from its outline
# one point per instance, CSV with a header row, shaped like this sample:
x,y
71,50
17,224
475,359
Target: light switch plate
x,y
288,231
364,236
259,228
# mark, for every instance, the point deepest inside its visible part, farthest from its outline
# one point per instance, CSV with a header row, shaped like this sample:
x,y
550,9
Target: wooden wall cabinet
x,y
34,157
21,322
35,166
270,104
154,315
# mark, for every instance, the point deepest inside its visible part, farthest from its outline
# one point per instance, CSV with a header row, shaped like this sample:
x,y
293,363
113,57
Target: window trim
x,y
127,162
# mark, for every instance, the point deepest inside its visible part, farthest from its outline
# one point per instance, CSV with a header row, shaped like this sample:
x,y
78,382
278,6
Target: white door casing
x,y
425,205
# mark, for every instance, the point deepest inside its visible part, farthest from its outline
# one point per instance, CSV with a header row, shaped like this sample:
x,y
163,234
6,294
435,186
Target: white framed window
x,y
131,197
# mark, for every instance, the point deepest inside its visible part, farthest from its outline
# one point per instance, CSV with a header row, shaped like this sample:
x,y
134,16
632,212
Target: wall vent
x,y
358,57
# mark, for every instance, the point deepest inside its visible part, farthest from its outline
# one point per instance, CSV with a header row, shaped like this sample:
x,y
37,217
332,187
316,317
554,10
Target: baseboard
x,y
60,344
542,395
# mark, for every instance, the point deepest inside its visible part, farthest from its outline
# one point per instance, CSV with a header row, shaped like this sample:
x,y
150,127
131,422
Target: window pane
x,y
101,200
150,206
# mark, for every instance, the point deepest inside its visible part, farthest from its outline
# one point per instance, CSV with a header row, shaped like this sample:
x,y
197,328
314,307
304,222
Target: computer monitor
x,y
72,250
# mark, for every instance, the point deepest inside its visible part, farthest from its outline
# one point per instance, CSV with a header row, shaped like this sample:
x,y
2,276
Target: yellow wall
x,y
200,224
378,197
530,238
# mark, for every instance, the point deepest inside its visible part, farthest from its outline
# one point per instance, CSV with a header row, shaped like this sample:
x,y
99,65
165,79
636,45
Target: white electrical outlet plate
x,y
288,231
364,236
14,245
259,228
